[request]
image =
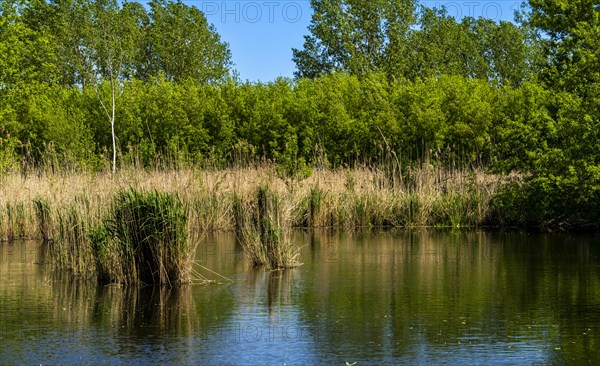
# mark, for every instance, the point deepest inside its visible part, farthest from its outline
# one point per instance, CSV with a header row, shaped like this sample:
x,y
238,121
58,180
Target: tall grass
x,y
362,197
42,211
144,240
71,250
142,226
261,228
14,220
140,237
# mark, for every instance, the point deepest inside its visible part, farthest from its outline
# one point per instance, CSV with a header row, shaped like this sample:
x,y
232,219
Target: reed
x,y
120,229
71,249
140,237
42,211
260,225
144,240
3,223
357,198
309,207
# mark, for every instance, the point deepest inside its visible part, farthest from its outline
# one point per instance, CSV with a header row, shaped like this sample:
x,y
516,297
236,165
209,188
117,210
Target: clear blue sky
x,y
261,34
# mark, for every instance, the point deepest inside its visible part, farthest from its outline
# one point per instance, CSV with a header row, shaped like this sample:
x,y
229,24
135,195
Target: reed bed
x,y
92,221
363,197
261,228
144,239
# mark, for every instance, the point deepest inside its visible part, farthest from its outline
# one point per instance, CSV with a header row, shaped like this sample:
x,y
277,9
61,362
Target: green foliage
x,y
9,159
571,31
27,53
183,45
358,37
407,42
570,199
557,141
107,39
337,119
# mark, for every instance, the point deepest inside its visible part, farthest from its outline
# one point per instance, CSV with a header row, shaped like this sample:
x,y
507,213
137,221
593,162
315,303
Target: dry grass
x,y
345,198
69,209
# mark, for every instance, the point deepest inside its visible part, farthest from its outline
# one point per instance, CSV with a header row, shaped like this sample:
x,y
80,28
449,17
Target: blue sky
x,y
261,34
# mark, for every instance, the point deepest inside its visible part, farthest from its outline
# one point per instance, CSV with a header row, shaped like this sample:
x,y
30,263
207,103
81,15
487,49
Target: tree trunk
x,y
112,126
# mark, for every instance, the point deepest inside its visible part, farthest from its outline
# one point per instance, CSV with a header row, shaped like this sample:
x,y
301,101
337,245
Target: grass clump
x,y
315,199
71,249
260,226
144,240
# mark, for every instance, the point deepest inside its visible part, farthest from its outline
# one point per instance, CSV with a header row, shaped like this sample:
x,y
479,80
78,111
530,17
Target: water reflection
x,y
139,312
392,298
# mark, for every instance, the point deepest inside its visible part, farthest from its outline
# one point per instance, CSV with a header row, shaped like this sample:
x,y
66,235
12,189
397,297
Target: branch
x,y
102,103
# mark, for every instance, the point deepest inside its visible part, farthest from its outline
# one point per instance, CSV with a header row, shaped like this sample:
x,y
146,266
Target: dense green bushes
x,y
452,120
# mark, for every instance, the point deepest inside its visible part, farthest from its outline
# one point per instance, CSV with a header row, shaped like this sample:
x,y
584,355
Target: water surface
x,y
403,298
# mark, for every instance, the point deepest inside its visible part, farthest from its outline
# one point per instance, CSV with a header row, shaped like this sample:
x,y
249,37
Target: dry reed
x,y
345,198
261,229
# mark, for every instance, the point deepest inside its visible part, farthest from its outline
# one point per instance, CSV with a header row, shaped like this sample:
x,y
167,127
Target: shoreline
x,y
344,198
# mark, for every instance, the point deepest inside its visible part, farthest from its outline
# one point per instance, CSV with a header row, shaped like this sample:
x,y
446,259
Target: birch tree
x,y
113,36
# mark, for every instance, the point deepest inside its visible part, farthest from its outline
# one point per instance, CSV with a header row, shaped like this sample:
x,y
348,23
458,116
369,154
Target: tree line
x,y
407,41
91,80
453,120
71,47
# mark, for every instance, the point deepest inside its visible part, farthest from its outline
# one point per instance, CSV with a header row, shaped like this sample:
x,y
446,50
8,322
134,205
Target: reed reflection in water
x,y
389,298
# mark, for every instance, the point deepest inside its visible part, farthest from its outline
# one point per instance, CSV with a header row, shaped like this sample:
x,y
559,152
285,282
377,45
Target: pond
x,y
424,297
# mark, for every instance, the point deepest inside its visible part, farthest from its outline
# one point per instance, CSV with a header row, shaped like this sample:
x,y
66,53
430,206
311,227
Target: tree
x,y
501,53
570,33
355,36
442,46
26,67
182,44
111,37
68,21
27,54
507,50
136,20
565,179
362,37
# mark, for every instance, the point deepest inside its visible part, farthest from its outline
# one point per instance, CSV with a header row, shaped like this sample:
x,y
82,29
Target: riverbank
x,y
344,198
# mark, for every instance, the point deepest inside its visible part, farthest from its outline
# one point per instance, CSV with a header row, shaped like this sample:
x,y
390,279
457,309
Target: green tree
x,y
26,67
182,44
69,23
570,33
565,182
355,36
27,54
501,53
442,46
571,38
113,40
508,52
136,21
